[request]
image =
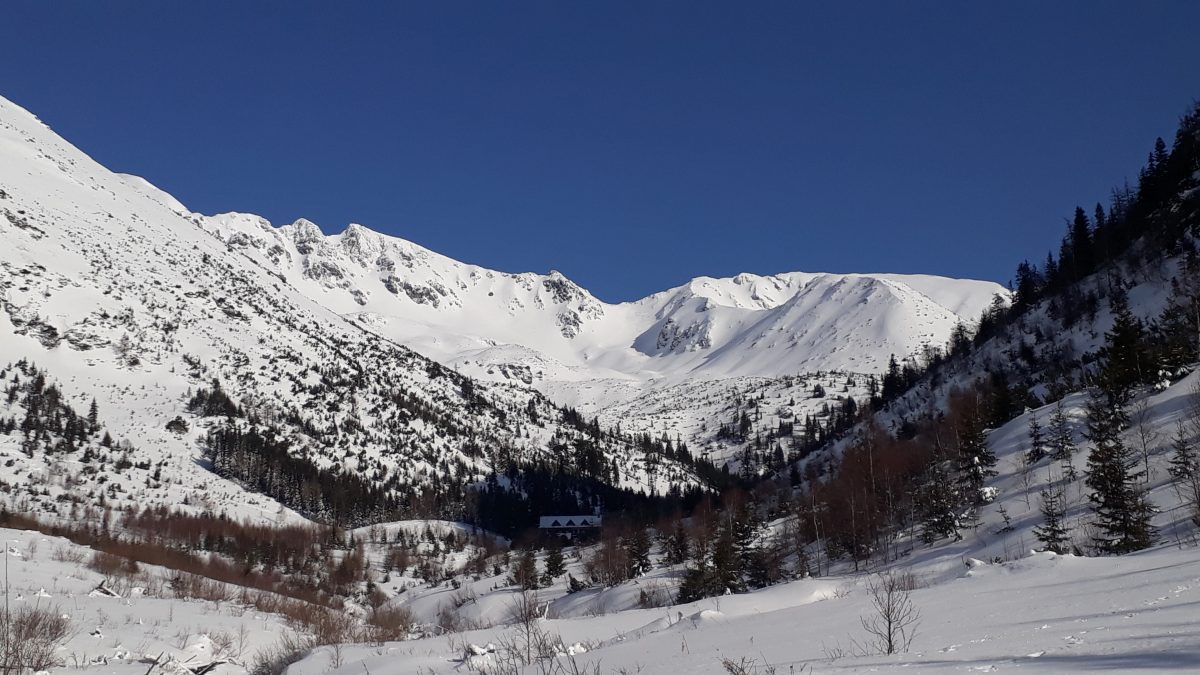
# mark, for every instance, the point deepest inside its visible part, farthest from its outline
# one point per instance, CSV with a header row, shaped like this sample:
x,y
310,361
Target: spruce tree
x,y
715,571
893,381
93,417
1052,533
1081,243
937,502
1062,442
1183,465
1185,471
555,567
1122,513
976,462
960,339
675,544
637,552
1126,359
747,528
726,565
524,572
1037,441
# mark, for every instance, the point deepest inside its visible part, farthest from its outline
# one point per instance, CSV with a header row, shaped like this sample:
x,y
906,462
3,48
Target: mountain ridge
x,y
463,315
115,295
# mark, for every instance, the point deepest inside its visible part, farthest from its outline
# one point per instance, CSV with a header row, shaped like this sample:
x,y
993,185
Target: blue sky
x,y
629,145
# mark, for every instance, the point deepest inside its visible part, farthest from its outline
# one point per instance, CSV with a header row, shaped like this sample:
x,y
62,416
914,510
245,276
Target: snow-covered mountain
x,y
111,290
547,331
113,285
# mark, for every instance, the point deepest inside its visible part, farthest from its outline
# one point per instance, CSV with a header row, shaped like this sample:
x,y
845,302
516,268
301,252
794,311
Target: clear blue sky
x,y
629,145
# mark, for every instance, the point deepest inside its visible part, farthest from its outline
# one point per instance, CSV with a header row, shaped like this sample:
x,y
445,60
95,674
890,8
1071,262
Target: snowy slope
x,y
987,603
610,360
547,330
110,286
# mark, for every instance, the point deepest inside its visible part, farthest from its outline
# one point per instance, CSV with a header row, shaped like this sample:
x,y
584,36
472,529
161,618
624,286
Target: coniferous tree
x,y
1185,471
1178,327
1122,512
765,566
555,566
1125,357
1100,236
1037,441
637,552
1052,533
93,417
726,565
893,380
1183,464
747,528
1080,244
675,544
524,571
976,462
937,503
1062,442
715,569
1028,286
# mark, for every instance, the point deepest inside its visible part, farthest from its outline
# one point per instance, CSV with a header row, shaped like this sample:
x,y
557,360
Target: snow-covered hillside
x,y
547,331
987,601
610,360
113,290
102,264
708,328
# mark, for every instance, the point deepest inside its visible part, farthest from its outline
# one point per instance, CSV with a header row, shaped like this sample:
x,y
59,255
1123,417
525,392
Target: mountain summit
x,y
547,330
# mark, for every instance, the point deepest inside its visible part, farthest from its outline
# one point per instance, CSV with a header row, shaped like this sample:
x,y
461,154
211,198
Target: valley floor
x,y
1043,613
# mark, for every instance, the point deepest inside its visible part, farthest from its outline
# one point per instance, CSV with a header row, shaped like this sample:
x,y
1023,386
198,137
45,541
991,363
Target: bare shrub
x,y
524,609
290,648
748,666
112,565
450,621
528,642
29,638
390,623
893,626
907,581
68,554
327,626
655,595
201,588
463,596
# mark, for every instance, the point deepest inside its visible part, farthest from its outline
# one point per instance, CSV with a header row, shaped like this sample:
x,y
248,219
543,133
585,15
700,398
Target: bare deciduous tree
x,y
894,624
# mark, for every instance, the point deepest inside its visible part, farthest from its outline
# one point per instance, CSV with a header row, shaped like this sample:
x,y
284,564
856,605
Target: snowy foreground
x,y
987,602
124,625
1037,612
1044,613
